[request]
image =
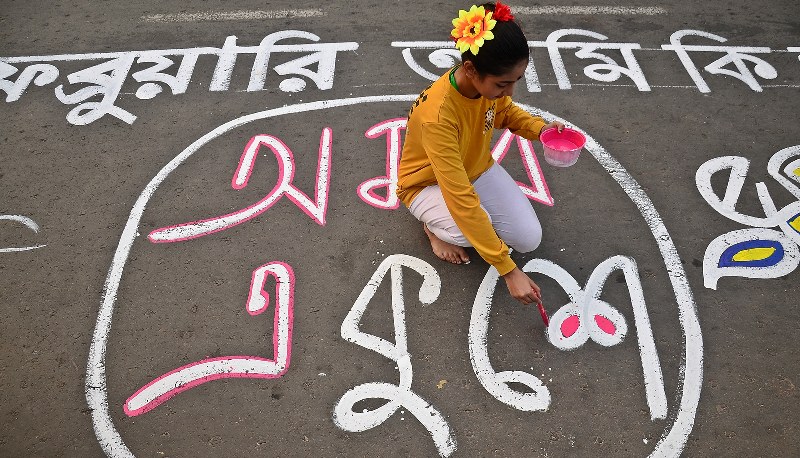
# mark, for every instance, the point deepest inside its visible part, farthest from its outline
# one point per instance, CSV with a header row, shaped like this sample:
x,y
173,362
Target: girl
x,y
447,177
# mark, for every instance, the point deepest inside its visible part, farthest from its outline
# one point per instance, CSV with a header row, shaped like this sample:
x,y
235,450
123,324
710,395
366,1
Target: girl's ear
x,y
470,70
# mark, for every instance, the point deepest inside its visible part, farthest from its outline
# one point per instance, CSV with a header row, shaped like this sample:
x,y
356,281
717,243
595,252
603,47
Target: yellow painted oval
x,y
795,223
753,254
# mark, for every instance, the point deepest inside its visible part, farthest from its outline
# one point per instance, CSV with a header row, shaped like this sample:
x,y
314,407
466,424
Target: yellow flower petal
x,y
476,12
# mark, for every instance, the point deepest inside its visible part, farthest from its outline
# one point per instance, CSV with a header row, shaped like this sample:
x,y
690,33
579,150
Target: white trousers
x,y
511,213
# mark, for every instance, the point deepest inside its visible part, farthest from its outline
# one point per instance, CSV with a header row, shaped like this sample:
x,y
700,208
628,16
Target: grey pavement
x,y
115,342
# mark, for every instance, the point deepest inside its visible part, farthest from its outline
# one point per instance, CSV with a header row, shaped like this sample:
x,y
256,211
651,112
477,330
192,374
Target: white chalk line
x,y
667,86
578,10
231,16
17,250
245,15
30,224
386,84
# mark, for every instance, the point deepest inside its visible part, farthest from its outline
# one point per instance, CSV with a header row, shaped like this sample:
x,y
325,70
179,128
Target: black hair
x,y
502,53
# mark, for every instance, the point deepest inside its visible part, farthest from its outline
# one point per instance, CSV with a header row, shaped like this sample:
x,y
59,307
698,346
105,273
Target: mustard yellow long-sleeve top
x,y
447,143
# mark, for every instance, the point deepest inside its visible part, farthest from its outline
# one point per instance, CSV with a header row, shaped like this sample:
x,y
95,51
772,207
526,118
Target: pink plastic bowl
x,y
562,149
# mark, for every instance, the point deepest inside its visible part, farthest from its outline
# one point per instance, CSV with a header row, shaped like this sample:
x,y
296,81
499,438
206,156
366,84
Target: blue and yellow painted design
x,y
752,253
794,222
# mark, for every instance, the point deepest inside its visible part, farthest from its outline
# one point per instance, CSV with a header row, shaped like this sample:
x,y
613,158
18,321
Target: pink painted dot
x,y
570,326
605,325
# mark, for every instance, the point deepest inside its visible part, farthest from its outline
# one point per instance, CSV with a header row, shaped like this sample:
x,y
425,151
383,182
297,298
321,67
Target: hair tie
x,y
502,12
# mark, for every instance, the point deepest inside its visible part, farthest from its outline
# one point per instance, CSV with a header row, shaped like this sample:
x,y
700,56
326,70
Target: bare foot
x,y
446,251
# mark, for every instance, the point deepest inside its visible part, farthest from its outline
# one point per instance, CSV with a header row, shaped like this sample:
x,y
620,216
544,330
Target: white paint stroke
x,y
651,365
400,395
242,15
583,303
773,167
498,384
577,10
726,205
188,376
17,250
607,72
284,187
734,55
27,222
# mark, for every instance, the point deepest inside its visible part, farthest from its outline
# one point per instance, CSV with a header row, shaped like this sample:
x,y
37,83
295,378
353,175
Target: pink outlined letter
x,y
316,210
168,385
538,189
392,129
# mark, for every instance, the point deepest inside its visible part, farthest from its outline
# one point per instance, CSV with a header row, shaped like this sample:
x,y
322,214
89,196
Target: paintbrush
x,y
543,312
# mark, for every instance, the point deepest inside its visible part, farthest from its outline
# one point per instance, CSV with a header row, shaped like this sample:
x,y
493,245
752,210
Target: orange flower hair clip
x,y
472,28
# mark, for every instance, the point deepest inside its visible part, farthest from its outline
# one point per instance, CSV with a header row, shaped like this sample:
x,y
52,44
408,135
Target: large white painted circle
x,y
672,442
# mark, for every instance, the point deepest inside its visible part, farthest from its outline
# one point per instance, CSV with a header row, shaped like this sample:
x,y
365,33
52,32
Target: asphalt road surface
x,y
200,255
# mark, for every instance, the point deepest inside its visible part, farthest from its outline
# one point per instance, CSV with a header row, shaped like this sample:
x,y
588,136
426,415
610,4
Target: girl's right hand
x,y
522,288
557,124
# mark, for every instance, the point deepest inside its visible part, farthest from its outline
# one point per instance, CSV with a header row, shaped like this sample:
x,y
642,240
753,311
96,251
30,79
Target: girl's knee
x,y
527,241
527,244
